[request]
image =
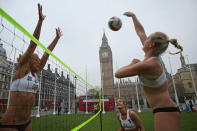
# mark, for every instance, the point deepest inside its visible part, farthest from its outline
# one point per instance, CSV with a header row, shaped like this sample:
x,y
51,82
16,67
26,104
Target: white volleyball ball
x,y
115,23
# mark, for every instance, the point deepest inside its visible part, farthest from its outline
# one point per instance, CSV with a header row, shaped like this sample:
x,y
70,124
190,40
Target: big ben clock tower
x,y
106,67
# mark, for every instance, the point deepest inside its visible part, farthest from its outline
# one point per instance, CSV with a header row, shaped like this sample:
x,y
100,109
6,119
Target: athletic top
x,y
127,124
154,83
29,83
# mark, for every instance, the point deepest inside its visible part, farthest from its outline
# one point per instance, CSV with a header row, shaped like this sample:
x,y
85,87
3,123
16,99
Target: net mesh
x,y
64,99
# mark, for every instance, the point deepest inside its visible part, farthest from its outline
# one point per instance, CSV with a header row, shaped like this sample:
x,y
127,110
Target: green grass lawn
x,y
109,121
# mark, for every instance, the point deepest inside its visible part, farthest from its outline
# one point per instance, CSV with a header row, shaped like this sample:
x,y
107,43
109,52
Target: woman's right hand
x,y
129,14
41,16
134,61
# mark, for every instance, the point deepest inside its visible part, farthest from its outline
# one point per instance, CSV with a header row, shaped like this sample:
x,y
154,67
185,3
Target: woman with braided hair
x,y
25,84
153,78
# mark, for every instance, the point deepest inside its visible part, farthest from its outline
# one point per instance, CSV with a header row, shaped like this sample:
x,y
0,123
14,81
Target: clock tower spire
x,y
106,67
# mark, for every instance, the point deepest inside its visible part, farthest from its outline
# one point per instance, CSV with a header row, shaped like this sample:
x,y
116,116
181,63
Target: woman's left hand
x,y
58,32
134,61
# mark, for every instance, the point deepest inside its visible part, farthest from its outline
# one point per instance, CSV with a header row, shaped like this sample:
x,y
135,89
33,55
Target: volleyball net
x,y
64,101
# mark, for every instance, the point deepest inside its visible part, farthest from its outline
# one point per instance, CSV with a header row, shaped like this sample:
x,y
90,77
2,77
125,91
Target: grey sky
x,y
82,23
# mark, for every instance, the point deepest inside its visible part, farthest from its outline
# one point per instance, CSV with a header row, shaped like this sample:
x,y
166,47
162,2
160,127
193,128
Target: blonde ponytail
x,y
175,43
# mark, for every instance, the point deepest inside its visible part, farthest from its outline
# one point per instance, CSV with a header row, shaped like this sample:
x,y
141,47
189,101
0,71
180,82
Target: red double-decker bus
x,y
109,104
3,105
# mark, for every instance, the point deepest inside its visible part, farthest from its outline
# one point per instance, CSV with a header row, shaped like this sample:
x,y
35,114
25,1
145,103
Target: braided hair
x,y
175,43
162,41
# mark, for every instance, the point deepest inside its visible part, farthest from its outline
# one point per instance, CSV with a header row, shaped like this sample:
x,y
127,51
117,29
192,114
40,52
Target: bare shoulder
x,y
131,113
155,64
151,62
151,67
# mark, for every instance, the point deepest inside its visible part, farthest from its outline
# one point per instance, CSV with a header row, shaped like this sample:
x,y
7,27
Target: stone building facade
x,y
5,73
186,79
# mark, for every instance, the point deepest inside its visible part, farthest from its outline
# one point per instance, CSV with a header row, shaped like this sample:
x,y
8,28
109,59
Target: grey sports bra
x,y
29,83
154,83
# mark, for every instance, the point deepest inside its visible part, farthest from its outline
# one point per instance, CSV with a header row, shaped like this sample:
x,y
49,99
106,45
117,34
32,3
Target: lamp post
x,y
139,110
38,113
118,82
11,78
103,93
119,88
55,93
75,95
86,92
69,94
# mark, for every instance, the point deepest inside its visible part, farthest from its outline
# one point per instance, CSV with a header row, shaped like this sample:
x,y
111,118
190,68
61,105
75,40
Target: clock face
x,y
104,54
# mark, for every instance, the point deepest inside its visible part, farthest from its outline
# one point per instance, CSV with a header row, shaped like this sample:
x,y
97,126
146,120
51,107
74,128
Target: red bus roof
x,y
94,95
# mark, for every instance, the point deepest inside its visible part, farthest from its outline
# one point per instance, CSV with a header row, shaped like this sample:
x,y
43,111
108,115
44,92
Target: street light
x,y
86,92
38,112
136,82
118,82
11,78
103,92
69,94
119,88
55,93
75,94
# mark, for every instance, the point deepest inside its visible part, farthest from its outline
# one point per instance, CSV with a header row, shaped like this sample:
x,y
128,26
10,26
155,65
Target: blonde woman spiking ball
x,y
152,76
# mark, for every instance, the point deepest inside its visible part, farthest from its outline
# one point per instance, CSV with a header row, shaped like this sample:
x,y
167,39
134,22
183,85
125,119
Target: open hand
x,y
41,16
58,32
129,14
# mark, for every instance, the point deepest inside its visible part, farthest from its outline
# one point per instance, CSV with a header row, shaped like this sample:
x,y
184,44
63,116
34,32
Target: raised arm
x,y
50,47
30,50
138,27
137,120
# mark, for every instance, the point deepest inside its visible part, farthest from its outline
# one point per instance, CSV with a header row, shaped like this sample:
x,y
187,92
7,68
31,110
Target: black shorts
x,y
166,109
18,127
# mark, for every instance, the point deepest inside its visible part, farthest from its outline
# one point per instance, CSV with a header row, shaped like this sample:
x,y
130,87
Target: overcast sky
x,y
82,23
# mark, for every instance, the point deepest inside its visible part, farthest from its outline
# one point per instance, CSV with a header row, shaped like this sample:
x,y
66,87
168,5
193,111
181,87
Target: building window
x,y
189,84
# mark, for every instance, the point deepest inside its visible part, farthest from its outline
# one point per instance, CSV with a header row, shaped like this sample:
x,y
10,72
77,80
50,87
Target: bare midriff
x,y
159,97
19,110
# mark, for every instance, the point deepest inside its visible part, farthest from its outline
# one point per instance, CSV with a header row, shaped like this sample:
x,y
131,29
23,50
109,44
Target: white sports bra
x,y
29,83
154,83
127,124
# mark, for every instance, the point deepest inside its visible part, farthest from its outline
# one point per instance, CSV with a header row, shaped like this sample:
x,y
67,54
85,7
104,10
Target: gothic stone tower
x,y
106,65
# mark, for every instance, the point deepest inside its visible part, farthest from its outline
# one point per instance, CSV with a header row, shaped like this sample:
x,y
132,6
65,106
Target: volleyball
x,y
115,23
